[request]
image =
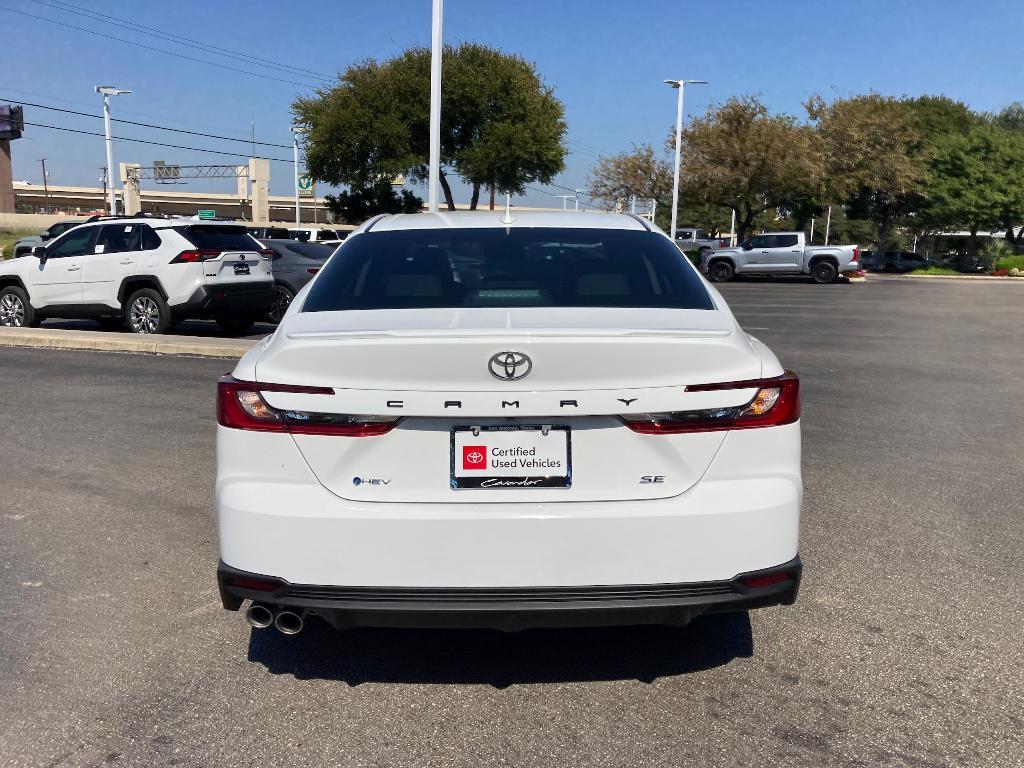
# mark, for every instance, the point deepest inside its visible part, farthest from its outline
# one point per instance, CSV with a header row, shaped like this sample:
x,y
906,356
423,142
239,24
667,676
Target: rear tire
x,y
721,272
15,309
235,325
282,300
147,312
824,272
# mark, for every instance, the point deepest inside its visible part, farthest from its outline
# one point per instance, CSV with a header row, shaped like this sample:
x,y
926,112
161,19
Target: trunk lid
x,y
431,368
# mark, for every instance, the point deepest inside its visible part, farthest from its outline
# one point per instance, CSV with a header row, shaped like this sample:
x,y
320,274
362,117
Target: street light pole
x,y
107,91
577,198
434,173
296,130
681,86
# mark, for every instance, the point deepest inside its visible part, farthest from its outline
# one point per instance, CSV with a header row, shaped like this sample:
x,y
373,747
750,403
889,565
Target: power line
x,y
131,25
153,48
147,125
158,143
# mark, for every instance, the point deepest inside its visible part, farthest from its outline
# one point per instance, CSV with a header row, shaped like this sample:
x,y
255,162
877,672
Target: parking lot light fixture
x,y
681,86
107,91
297,130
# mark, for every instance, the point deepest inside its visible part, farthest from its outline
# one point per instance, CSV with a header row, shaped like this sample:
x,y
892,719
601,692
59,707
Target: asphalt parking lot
x,y
904,648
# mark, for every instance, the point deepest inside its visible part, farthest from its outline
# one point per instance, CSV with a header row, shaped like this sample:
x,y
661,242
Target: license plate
x,y
511,457
241,269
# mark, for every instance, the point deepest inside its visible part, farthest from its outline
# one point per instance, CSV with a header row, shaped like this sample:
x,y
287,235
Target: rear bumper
x,y
513,609
211,300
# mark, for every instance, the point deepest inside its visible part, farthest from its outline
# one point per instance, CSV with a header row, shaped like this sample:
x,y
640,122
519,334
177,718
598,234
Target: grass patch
x,y
1009,262
934,271
9,236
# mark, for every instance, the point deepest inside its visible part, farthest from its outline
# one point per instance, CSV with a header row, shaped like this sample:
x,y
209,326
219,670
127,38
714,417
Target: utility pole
x,y
828,224
252,125
103,180
565,200
680,85
434,172
46,188
577,198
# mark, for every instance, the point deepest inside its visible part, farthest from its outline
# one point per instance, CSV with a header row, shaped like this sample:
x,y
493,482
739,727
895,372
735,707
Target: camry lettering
x,y
396,403
626,400
509,403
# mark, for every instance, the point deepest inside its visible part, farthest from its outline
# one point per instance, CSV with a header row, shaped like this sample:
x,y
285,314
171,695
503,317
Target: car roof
x,y
496,219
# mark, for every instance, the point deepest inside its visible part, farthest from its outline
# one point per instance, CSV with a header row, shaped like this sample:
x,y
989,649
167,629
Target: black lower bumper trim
x,y
513,609
216,300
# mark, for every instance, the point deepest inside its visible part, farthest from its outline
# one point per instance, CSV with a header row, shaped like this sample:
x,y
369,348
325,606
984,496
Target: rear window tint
x,y
218,237
535,267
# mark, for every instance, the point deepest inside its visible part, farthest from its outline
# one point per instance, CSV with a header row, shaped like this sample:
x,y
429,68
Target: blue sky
x,y
606,61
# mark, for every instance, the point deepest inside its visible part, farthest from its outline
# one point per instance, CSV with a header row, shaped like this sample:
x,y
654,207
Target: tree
x,y
360,203
740,157
640,172
871,156
500,125
974,180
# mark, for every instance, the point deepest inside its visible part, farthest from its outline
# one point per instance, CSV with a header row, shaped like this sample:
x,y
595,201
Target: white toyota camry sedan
x,y
478,420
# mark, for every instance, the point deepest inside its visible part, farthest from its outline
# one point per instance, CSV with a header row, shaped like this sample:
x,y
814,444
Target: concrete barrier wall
x,y
34,221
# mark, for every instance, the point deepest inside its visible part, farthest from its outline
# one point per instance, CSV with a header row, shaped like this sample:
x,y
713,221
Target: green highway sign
x,y
207,213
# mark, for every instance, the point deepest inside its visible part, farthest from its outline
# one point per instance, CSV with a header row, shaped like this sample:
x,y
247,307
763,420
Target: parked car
x,y
146,271
781,253
697,240
473,422
294,265
23,246
268,233
316,235
893,261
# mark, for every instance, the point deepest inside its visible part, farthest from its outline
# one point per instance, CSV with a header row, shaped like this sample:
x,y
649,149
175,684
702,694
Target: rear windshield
x,y
539,267
218,237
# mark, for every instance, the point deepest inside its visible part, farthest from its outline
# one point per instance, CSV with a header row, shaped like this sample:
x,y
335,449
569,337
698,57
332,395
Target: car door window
x,y
118,238
75,243
762,241
150,239
785,241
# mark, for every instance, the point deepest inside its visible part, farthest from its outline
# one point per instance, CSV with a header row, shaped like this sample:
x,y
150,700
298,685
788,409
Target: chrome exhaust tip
x,y
288,623
259,616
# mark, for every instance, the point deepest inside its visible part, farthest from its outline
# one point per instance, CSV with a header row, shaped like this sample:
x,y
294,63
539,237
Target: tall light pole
x,y
296,131
578,193
434,172
681,86
107,91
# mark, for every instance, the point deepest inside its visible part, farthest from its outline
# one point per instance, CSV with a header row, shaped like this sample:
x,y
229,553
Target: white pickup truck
x,y
780,253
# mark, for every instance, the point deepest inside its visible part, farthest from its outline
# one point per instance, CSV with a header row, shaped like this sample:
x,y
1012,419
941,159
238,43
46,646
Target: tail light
x,y
241,406
189,257
721,243
776,402
267,253
313,270
856,253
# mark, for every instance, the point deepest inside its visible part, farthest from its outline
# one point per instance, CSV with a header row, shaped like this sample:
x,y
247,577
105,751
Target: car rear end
x,y
217,270
549,426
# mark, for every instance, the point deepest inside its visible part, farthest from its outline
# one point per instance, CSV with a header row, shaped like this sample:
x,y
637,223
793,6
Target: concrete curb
x,y
983,278
106,341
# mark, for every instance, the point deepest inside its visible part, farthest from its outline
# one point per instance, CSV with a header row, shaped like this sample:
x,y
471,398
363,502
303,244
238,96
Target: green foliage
x,y
1011,118
358,204
8,237
934,271
1009,262
974,179
500,125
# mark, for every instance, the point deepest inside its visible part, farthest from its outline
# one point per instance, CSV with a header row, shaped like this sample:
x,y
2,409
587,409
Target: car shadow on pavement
x,y
503,659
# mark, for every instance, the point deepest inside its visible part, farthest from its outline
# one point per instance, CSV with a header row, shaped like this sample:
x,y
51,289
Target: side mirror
x,y
747,246
45,236
40,253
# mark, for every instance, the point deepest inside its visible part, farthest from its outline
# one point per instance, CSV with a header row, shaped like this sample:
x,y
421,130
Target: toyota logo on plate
x,y
509,366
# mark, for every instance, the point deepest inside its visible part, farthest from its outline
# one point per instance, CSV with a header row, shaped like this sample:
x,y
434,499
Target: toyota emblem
x,y
510,366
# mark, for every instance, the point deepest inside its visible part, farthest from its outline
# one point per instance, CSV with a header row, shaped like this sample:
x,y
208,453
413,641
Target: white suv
x,y
149,272
466,421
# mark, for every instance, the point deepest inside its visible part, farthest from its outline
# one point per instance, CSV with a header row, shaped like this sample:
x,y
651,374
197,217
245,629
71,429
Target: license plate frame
x,y
503,482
